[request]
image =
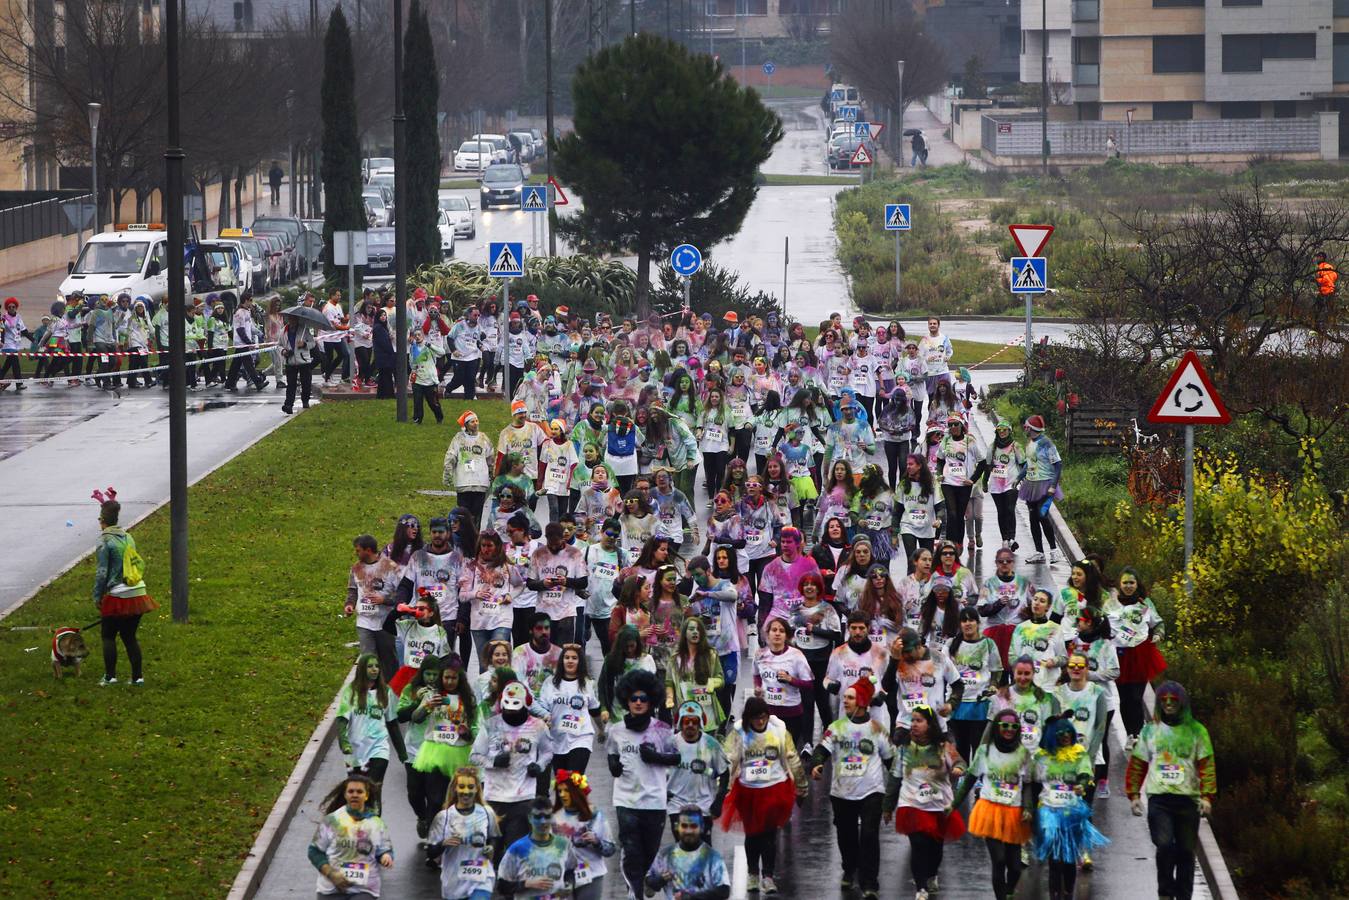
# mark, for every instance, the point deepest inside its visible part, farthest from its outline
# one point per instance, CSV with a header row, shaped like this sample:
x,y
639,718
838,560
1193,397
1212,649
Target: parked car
x,y
526,141
445,225
371,220
291,228
540,145
841,151
373,164
289,262
474,156
254,266
500,146
501,184
384,181
374,199
380,249
460,209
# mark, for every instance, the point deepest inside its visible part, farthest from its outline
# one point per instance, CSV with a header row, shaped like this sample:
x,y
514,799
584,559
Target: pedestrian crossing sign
x,y
506,259
534,198
1029,275
897,217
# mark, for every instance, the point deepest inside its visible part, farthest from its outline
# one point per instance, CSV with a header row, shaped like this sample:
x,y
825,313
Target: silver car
x,y
460,211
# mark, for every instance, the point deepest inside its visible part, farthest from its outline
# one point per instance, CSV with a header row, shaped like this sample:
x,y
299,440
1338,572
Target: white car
x,y
499,144
474,156
374,164
460,210
255,264
374,199
446,226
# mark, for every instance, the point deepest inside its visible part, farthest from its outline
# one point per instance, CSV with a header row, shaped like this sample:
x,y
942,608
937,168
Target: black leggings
x,y
1007,867
1131,710
911,545
1006,505
957,499
10,366
895,453
714,467
574,760
1062,879
363,363
113,627
742,441
423,805
1038,525
818,660
762,852
966,733
924,858
473,500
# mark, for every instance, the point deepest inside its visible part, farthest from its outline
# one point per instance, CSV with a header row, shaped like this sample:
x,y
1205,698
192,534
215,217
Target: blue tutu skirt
x,y
1063,834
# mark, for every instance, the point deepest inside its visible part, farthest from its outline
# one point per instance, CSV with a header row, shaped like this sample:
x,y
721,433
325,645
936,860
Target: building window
x,y
1163,4
1242,53
1245,109
1243,2
1289,46
1089,112
1173,111
1285,109
1178,53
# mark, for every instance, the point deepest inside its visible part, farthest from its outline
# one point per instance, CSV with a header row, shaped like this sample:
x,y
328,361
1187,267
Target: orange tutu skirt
x,y
126,606
756,810
998,822
945,827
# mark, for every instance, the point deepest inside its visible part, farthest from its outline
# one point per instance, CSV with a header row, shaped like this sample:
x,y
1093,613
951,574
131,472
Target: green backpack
x,y
133,564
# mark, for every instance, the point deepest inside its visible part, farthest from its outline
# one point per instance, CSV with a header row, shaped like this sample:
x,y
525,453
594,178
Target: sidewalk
x,y
941,150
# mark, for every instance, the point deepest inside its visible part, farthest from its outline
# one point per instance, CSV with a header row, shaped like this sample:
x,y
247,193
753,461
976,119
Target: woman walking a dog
x,y
119,591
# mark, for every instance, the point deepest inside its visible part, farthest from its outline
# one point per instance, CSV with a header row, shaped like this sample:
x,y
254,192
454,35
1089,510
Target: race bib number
x,y
570,723
914,699
436,592
1171,773
758,771
873,521
926,792
1057,793
970,678
473,869
443,733
604,571
1006,793
752,535
775,693
357,874
713,434
800,470
553,596
1030,735
916,516
741,408
368,606
763,443
490,605
1002,470
852,766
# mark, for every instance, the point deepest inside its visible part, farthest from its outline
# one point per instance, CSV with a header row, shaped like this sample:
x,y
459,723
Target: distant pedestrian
x,y
1111,147
297,349
1326,277
274,176
119,592
919,150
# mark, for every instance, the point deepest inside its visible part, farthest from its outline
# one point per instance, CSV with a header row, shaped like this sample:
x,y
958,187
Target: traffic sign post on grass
x,y
1189,399
505,260
534,199
1030,240
897,219
686,260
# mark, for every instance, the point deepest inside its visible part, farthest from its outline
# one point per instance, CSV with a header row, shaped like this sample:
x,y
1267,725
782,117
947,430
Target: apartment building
x,y
1191,59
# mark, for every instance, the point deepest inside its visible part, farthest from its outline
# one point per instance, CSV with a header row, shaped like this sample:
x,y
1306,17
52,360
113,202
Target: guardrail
x,y
27,222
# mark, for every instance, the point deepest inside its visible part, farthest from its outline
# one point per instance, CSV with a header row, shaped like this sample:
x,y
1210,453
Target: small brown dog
x,y
68,651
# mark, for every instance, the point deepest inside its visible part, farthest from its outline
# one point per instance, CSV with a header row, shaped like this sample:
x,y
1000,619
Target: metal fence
x,y
24,217
1020,136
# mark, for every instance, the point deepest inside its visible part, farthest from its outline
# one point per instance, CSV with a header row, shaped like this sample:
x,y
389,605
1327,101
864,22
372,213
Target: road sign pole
x,y
1189,511
351,271
786,258
897,293
1029,346
687,281
505,344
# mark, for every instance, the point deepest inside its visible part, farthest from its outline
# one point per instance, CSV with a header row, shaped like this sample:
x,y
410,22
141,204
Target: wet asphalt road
x,y
808,858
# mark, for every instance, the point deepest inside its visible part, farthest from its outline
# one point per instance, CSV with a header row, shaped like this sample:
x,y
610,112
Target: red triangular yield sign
x,y
559,198
875,128
1189,397
1030,239
861,157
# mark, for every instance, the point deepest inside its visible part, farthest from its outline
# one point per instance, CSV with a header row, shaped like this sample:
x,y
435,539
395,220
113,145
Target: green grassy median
x,y
159,791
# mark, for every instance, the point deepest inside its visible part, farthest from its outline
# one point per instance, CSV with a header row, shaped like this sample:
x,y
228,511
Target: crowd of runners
x,y
679,500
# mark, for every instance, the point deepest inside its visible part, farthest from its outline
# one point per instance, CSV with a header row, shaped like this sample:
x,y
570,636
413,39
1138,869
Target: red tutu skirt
x,y
401,678
756,810
1002,636
945,827
112,606
1141,664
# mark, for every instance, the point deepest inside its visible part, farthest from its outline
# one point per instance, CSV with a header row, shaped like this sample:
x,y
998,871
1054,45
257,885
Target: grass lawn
x,y
841,181
159,791
970,352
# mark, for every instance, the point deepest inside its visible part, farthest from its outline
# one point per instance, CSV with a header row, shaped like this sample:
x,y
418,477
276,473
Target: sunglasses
x,y
1005,562
1077,665
878,575
639,698
1008,726
948,553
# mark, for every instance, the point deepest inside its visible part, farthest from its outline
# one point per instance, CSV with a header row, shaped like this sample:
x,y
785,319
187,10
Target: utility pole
x,y
400,230
899,132
632,15
173,201
1044,86
548,117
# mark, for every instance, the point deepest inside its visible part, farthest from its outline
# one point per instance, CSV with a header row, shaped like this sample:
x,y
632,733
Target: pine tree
x,y
341,164
421,101
665,150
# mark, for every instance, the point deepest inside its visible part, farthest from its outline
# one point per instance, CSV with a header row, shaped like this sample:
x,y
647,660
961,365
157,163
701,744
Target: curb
x,y
260,855
1210,855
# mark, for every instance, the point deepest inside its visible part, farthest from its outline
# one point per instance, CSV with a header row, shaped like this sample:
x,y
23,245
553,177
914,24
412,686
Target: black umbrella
x,y
307,315
911,132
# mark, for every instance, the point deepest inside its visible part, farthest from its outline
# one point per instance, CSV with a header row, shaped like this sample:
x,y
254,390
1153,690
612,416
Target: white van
x,y
131,259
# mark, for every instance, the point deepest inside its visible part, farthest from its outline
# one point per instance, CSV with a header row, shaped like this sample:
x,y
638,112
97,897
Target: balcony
x,y
1090,10
1086,74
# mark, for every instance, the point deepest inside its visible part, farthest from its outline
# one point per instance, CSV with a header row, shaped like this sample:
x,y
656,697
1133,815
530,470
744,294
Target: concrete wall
x,y
36,257
1306,138
1281,79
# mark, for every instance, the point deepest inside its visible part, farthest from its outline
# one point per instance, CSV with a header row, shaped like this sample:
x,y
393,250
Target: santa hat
x,y
465,416
563,312
419,294
1036,423
732,317
865,690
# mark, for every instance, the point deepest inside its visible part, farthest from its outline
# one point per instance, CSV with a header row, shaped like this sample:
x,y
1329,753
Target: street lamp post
x,y
94,109
899,132
400,231
290,149
173,210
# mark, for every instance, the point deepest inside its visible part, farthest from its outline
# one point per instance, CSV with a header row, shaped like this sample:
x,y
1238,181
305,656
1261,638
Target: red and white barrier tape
x,y
115,372
63,354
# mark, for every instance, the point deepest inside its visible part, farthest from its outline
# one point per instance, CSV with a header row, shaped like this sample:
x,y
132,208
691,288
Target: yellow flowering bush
x,y
1256,539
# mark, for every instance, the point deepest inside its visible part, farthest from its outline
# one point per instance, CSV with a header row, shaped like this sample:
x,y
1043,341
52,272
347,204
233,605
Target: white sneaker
x,y
921,895
1036,557
752,885
1055,555
1103,789
769,886
932,885
105,681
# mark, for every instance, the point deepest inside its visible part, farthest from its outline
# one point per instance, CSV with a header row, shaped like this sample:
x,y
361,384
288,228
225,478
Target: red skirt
x,y
757,810
1002,636
1141,664
944,827
112,606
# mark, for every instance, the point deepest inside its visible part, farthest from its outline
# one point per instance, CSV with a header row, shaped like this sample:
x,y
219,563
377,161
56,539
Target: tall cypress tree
x,y
341,165
421,100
